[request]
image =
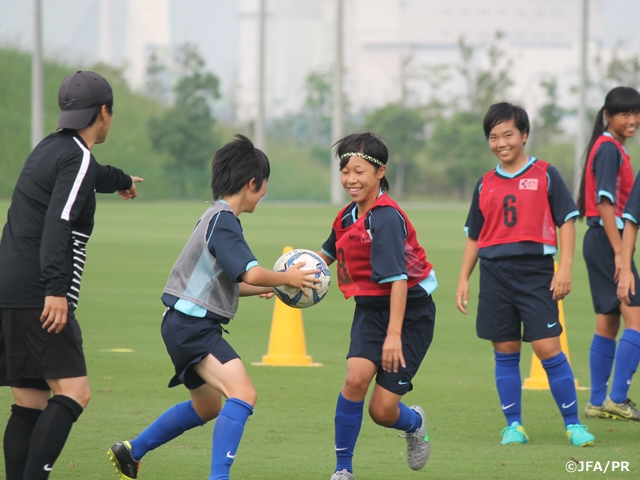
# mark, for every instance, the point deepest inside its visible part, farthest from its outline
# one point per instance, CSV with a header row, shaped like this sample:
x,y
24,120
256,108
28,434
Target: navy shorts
x,y
601,266
369,330
29,354
189,340
515,302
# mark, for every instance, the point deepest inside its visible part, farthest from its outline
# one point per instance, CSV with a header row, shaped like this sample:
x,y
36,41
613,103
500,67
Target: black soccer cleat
x,y
126,466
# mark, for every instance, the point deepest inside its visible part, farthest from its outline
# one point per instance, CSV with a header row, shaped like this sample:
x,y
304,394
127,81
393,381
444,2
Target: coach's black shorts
x,y
189,340
515,302
29,354
369,330
601,266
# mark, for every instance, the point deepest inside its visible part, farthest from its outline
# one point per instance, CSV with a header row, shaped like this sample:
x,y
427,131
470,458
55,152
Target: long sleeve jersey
x,y
50,220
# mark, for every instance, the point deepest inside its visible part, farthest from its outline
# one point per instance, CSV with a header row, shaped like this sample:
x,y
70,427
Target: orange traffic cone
x,y
287,346
537,376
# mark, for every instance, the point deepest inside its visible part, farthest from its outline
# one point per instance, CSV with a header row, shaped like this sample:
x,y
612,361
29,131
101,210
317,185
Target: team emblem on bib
x,y
529,184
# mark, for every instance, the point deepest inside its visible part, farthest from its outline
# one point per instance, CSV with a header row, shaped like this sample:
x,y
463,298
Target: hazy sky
x,y
621,21
70,28
71,33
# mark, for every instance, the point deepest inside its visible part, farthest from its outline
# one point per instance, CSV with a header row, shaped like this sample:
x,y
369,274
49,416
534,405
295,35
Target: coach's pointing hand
x,y
132,192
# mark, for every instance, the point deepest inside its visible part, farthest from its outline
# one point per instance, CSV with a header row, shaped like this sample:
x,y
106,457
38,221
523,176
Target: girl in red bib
x,y
382,265
511,228
606,183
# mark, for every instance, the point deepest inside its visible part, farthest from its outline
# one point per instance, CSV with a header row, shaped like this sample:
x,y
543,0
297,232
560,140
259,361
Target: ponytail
x,y
598,129
384,184
618,100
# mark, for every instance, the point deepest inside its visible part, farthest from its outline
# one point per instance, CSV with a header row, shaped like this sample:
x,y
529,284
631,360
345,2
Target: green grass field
x,y
290,436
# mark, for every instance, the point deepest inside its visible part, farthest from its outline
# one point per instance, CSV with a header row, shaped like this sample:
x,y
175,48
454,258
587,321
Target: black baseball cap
x,y
78,97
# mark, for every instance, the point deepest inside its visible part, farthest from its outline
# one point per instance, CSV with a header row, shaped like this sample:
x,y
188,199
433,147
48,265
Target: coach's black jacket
x,y
42,251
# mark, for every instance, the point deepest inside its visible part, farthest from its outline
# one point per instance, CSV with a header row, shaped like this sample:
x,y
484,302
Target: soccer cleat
x,y
593,411
579,436
621,411
514,434
343,475
418,446
126,466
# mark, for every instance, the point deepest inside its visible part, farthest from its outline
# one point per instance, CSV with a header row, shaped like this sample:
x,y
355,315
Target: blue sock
x,y
601,355
348,421
409,421
172,423
563,387
627,358
227,434
509,385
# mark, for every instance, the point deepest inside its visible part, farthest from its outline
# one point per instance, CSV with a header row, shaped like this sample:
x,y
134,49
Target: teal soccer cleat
x,y
514,434
579,435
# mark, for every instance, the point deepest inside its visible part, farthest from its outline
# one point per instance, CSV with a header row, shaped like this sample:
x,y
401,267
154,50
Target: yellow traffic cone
x,y
537,376
287,346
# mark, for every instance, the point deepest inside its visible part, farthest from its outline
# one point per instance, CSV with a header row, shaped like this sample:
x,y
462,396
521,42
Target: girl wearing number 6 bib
x,y
516,212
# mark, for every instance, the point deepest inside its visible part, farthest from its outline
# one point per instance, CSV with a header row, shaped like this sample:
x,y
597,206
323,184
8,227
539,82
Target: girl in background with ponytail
x,y
606,183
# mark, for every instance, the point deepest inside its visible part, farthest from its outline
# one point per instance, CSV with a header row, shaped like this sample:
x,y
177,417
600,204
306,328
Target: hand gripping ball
x,y
294,296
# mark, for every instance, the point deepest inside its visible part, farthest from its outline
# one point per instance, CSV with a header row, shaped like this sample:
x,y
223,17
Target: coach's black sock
x,y
17,436
49,436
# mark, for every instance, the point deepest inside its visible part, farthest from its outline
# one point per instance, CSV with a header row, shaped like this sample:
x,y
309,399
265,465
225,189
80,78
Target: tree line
x,y
437,147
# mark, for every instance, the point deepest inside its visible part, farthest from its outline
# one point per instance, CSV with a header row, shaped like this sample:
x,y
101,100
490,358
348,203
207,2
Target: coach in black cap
x,y
42,257
79,96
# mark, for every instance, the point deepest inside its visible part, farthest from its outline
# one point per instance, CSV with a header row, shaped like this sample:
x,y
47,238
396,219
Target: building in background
x,y
123,32
299,40
389,47
148,29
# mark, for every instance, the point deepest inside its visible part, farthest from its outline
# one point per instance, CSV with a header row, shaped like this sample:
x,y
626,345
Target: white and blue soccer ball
x,y
294,296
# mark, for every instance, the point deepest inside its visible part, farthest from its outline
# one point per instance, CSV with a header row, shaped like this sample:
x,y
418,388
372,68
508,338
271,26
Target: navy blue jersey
x,y
562,206
388,232
606,164
226,243
632,207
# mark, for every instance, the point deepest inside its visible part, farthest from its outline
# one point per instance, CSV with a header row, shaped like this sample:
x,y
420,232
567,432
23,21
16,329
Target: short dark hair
x,y
236,164
109,106
367,143
503,112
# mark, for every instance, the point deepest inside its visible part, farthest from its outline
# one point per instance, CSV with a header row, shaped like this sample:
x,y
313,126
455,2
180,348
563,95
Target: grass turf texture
x,y
290,436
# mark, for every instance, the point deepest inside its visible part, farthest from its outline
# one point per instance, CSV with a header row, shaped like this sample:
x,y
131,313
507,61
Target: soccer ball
x,y
294,296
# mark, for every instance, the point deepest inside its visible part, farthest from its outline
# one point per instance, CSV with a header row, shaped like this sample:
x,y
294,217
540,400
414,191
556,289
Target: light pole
x,y
37,96
106,56
581,134
337,120
261,134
